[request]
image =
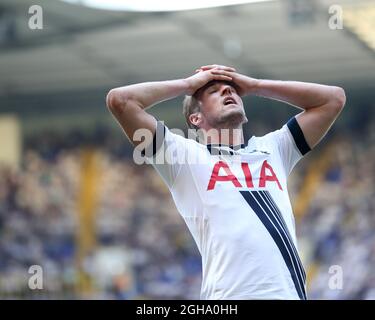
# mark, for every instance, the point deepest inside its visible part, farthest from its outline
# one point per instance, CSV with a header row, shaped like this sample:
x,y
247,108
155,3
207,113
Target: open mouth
x,y
229,100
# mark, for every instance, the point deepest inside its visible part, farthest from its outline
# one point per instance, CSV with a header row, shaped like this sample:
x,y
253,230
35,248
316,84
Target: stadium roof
x,y
81,48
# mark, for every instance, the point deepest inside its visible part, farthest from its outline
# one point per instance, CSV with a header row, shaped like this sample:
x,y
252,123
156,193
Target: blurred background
x,y
73,202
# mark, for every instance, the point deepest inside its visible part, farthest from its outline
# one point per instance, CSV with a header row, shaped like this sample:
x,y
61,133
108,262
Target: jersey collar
x,y
224,149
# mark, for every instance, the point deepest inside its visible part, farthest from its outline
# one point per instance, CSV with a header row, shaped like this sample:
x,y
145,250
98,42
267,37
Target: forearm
x,y
149,93
299,94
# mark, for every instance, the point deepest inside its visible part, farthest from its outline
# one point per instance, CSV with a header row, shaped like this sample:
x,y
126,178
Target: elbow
x,y
339,99
113,100
117,100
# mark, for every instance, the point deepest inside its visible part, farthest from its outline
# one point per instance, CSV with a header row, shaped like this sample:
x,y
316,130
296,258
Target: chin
x,y
233,119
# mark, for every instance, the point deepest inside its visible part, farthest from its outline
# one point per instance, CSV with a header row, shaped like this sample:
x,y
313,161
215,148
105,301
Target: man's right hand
x,y
202,77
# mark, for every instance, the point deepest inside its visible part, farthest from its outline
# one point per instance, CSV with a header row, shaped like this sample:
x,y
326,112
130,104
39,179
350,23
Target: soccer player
x,y
234,200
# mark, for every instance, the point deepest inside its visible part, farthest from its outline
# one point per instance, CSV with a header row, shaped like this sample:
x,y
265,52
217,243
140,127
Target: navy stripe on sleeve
x,y
157,140
298,136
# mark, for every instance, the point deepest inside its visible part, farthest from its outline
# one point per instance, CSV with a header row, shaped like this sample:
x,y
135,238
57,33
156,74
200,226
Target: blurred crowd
x,y
337,232
143,249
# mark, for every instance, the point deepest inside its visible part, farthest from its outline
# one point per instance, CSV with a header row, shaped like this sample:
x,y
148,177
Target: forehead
x,y
213,83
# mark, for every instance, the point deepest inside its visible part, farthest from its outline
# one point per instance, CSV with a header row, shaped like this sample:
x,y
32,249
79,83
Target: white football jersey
x,y
235,202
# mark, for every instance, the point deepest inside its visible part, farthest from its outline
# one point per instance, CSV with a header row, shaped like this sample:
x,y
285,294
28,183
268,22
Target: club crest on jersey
x,y
267,175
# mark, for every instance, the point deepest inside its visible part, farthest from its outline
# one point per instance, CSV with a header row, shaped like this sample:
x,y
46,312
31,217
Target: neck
x,y
223,136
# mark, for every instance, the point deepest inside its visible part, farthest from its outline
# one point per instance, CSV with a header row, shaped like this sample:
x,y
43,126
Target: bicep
x,y
132,117
315,123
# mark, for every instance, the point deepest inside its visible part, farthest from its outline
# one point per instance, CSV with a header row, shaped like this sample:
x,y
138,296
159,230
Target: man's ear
x,y
196,119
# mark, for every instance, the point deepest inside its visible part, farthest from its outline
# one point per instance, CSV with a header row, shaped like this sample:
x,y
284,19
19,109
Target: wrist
x,y
186,86
253,86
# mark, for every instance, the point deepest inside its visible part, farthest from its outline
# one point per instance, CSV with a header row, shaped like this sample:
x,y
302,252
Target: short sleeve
x,y
290,143
167,153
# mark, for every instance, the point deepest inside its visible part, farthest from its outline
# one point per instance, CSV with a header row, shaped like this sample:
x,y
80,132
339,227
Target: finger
x,y
210,66
222,77
213,66
198,70
219,67
222,72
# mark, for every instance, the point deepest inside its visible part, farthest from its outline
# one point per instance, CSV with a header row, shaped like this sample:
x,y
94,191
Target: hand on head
x,y
204,74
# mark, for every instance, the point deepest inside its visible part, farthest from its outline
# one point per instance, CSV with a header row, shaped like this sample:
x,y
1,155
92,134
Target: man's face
x,y
221,106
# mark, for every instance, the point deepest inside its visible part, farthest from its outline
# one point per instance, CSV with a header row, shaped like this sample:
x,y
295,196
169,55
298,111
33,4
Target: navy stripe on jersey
x,y
271,203
298,136
274,226
276,221
277,214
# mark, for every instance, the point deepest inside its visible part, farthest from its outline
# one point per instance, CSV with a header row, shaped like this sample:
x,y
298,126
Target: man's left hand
x,y
245,85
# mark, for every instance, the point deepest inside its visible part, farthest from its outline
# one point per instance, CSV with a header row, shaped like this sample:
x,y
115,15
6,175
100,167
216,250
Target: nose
x,y
227,89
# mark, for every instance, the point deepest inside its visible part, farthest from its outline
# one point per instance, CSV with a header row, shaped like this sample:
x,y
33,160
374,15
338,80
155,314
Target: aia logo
x,y
267,174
